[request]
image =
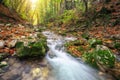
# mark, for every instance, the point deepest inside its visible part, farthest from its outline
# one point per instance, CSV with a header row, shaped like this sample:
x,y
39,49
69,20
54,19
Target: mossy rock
x,y
99,57
32,50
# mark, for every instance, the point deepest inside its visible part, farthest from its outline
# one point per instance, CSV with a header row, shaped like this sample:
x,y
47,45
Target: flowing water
x,y
64,66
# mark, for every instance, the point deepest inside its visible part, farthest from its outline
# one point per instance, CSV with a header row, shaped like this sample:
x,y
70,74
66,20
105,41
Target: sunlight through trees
x,y
41,11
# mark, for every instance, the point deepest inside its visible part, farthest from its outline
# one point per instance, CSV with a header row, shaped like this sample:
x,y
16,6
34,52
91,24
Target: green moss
x,y
102,57
33,49
105,57
90,59
67,16
93,42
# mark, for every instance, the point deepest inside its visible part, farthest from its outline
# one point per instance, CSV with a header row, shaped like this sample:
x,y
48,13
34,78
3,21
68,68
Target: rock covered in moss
x,y
101,56
33,49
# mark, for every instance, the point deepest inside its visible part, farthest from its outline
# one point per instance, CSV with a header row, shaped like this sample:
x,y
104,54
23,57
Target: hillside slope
x,y
9,16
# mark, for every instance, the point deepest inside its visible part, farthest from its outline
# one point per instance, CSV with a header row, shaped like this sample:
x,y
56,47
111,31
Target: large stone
x,y
33,49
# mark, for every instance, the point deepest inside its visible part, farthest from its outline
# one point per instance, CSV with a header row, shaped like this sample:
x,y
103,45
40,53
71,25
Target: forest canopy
x,y
40,11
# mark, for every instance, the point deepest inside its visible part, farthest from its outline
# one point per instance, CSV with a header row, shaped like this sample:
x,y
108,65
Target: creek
x,y
63,65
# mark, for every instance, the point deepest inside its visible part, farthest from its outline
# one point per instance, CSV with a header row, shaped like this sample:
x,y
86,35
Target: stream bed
x,y
57,65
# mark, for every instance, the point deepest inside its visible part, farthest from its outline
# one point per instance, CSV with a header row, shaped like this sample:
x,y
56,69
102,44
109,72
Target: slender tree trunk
x,y
86,5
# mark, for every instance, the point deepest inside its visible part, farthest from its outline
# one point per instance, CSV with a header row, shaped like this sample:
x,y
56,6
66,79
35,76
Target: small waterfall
x,y
64,66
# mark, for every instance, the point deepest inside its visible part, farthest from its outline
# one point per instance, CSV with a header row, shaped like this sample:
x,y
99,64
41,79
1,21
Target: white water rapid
x,y
64,66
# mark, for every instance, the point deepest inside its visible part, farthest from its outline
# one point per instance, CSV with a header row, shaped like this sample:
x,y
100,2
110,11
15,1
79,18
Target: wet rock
x,y
12,43
2,44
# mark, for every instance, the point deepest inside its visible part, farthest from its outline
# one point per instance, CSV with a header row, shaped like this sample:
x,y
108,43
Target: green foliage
x,y
80,48
7,2
19,44
67,16
117,45
90,59
93,42
23,16
33,49
73,43
80,5
85,35
102,57
105,57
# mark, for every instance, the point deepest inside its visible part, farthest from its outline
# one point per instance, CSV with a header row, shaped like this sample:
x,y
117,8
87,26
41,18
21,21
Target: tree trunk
x,y
86,5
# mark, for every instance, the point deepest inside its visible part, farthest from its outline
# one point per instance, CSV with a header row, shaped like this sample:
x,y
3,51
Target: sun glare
x,y
33,4
33,1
